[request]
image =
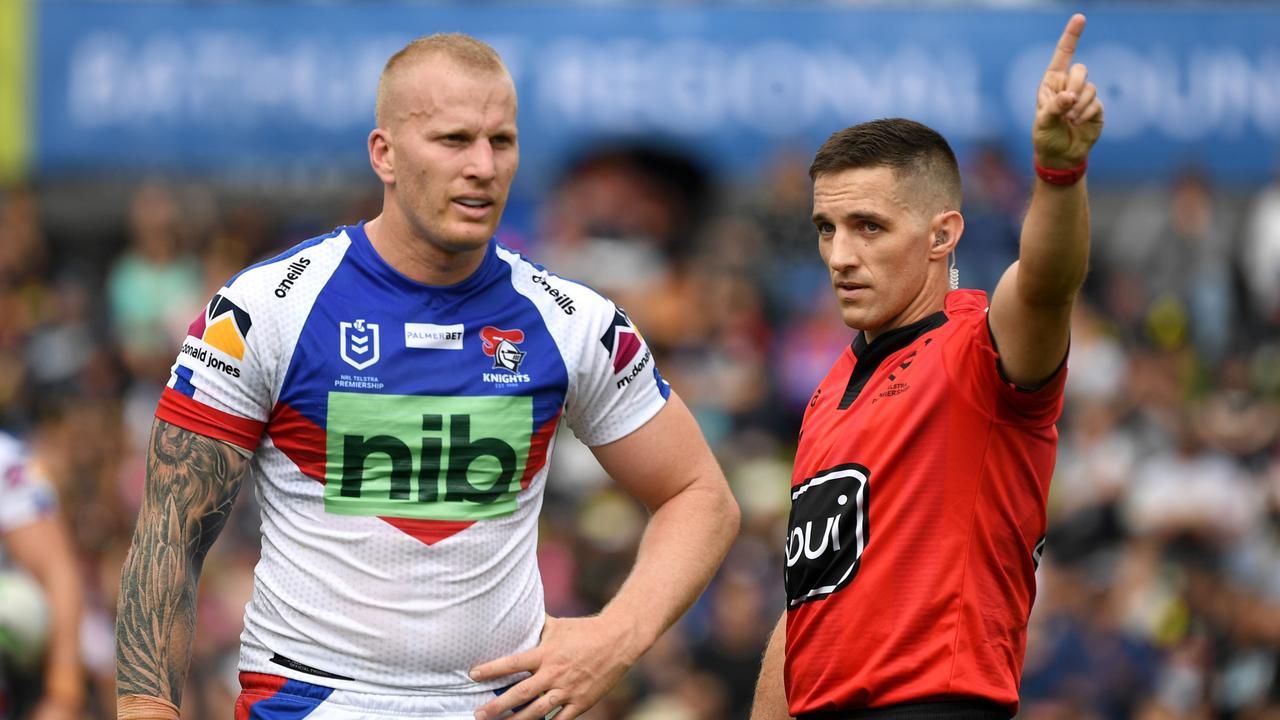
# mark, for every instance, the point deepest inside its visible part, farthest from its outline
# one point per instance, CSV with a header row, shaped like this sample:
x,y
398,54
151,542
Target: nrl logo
x,y
359,343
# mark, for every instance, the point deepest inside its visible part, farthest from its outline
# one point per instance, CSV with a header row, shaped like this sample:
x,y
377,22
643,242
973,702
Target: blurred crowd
x,y
1160,590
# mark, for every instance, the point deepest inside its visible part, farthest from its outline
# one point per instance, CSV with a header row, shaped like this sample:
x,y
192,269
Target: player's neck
x,y
931,299
417,259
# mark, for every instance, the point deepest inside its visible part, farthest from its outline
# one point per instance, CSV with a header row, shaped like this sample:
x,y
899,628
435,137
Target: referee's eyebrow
x,y
867,215
874,217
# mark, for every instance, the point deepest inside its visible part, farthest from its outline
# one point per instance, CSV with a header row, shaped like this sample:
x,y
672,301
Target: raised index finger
x,y
1067,44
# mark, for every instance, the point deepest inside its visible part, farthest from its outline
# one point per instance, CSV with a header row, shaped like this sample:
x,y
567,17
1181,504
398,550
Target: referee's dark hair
x,y
914,150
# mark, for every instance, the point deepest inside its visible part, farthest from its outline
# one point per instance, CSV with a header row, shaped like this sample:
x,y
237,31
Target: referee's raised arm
x,y
920,481
1031,308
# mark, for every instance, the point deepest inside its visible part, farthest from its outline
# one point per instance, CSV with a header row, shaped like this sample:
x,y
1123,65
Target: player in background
x,y
392,389
34,538
923,467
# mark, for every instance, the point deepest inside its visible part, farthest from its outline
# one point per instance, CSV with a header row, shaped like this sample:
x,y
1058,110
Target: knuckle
x,y
526,696
542,708
518,695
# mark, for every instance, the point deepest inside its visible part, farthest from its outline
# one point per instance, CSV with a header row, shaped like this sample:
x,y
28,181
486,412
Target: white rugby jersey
x,y
400,436
24,495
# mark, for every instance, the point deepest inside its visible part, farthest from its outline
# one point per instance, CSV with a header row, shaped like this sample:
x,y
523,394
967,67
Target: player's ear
x,y
946,229
382,156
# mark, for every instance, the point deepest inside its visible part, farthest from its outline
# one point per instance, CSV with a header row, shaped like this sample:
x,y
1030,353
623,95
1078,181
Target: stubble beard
x,y
450,235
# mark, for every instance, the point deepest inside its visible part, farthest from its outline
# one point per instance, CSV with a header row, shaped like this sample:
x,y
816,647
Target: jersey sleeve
x,y
973,361
616,386
218,386
24,495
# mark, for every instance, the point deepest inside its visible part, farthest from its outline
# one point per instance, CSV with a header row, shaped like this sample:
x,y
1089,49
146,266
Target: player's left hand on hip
x,y
576,662
1068,111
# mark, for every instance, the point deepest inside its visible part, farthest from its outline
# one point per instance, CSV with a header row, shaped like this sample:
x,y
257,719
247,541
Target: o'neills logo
x,y
295,270
560,298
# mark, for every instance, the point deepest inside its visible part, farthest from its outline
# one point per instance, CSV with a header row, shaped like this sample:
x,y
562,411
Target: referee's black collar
x,y
897,338
870,355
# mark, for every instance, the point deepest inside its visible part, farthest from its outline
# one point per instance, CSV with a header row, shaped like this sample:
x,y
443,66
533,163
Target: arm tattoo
x,y
191,483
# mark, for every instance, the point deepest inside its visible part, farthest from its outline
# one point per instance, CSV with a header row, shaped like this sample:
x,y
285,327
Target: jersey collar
x,y
871,355
374,263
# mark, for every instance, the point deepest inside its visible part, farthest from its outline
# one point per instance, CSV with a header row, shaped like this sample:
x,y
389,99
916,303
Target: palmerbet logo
x,y
436,458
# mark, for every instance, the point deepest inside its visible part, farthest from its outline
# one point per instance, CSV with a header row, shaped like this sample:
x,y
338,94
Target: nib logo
x,y
359,343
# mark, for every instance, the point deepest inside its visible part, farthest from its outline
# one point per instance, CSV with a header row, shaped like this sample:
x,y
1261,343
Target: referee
x,y
923,467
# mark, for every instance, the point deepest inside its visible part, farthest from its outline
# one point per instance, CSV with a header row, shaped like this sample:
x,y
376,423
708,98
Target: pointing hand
x,y
1068,111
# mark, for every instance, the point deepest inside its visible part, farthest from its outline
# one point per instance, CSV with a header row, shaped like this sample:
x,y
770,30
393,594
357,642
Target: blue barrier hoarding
x,y
234,86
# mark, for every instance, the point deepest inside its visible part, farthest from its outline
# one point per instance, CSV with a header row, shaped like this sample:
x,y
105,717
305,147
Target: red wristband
x,y
1065,176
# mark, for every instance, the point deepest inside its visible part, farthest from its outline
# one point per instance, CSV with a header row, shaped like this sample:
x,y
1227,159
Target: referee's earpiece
x,y
953,274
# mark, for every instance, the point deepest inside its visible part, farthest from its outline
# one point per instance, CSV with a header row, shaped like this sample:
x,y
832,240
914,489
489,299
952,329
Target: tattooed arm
x,y
191,483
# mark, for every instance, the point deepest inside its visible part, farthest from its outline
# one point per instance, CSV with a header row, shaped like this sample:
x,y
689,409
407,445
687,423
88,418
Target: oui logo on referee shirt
x,y
826,532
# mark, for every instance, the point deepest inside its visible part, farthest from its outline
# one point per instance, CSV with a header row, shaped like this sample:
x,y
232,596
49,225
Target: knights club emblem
x,y
501,345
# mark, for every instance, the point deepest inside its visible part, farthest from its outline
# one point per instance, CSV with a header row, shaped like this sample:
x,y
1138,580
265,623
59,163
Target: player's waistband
x,y
949,710
271,697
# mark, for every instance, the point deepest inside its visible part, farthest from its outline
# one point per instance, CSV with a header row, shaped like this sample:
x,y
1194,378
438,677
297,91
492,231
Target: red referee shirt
x,y
918,513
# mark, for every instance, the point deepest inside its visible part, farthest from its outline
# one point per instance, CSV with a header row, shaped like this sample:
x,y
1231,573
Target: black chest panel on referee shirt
x,y
871,355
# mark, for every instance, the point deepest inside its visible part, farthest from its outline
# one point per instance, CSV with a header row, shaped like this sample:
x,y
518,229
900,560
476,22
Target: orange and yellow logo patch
x,y
224,326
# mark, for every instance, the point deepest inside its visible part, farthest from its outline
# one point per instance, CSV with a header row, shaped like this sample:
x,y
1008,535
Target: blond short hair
x,y
462,49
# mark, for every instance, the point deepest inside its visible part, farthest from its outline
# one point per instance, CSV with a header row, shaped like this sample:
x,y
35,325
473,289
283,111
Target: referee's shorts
x,y
950,710
272,697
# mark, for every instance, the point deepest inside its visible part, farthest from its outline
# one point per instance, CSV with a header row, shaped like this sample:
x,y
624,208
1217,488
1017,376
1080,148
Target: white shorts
x,y
271,697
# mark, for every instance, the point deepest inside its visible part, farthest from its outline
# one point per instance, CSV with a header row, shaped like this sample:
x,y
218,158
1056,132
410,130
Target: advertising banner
x,y
239,86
